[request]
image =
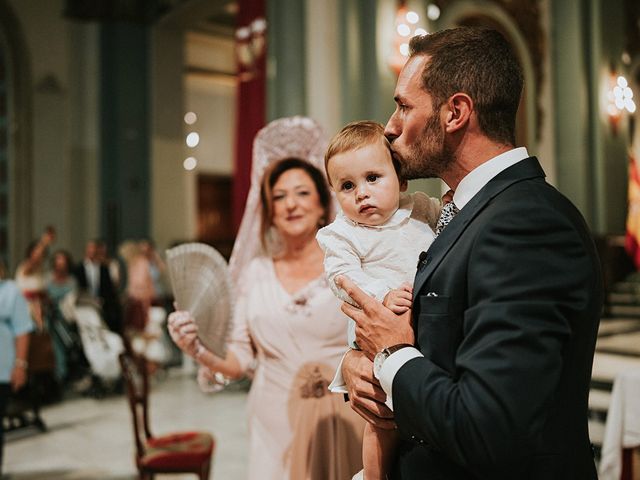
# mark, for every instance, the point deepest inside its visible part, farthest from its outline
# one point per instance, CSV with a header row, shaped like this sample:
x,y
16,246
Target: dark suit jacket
x,y
111,308
506,311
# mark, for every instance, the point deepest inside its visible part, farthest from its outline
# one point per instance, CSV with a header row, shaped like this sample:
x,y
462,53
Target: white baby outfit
x,y
382,257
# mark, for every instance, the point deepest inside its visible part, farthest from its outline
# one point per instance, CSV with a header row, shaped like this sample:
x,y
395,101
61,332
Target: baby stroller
x,y
101,348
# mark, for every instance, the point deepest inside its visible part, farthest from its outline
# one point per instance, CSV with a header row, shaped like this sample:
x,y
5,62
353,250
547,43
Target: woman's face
x,y
297,210
60,264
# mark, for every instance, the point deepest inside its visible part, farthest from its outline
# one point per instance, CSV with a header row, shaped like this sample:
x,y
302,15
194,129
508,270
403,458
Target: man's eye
x,y
347,186
372,177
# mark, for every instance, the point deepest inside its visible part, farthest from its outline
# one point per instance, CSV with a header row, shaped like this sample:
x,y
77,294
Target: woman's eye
x,y
303,193
277,197
347,186
372,177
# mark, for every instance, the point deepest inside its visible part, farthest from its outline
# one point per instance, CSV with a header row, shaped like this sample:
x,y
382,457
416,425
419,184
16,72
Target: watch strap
x,y
395,348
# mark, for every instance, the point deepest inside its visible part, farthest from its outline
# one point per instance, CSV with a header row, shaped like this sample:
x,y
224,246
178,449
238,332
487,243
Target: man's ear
x,y
459,108
404,185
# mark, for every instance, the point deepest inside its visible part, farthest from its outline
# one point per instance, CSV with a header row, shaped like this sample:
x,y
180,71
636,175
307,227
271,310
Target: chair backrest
x,y
134,371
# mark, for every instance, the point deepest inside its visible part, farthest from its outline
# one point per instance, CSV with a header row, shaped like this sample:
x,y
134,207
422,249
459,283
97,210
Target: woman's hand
x,y
210,381
184,332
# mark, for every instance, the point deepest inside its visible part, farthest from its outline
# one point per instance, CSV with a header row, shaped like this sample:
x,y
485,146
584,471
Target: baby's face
x,y
366,184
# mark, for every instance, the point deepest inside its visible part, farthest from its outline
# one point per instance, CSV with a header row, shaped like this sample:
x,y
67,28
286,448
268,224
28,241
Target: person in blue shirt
x,y
15,327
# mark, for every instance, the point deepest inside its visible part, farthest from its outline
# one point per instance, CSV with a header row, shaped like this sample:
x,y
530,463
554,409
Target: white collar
x,y
399,216
477,178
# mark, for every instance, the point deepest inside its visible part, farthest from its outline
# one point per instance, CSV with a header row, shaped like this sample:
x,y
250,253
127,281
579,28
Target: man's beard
x,y
430,155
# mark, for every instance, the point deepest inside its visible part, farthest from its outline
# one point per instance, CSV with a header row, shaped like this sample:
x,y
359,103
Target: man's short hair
x,y
478,62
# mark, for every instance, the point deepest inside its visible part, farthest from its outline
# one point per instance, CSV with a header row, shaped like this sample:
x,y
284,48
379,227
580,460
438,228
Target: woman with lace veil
x,y
288,326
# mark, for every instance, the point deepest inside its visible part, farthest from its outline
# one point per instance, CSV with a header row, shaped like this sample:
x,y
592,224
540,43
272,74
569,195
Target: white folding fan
x,y
201,284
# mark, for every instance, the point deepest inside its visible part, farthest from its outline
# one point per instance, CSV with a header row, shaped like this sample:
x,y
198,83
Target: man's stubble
x,y
430,156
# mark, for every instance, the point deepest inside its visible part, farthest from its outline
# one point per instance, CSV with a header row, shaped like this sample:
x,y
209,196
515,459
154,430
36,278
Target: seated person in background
x,y
375,241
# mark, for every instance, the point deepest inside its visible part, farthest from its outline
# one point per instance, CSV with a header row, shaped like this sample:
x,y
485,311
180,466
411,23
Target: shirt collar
x,y
477,178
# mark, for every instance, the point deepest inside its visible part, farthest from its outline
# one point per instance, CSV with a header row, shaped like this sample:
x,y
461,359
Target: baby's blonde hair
x,y
356,135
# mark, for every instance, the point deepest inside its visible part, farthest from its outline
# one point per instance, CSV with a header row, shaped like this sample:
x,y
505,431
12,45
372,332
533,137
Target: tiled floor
x,y
91,439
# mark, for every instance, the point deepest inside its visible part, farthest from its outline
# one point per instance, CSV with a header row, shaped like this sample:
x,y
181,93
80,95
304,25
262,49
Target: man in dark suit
x,y
94,280
492,381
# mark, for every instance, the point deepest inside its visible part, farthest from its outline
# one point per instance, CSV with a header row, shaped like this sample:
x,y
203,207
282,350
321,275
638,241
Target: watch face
x,y
378,360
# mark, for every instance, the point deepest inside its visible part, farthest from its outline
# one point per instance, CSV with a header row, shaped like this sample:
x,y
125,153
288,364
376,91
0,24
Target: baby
x,y
375,241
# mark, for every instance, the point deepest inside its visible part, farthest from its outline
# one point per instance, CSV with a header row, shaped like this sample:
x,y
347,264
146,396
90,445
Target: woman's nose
x,y
290,202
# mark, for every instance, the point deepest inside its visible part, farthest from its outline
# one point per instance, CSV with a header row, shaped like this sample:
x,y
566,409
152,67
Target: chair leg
x,y
204,471
145,475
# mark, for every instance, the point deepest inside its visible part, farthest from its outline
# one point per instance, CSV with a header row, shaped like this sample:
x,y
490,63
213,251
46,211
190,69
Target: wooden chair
x,y
182,452
630,464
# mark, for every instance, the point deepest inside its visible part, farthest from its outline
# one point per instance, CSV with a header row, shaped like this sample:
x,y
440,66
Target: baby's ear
x,y
404,185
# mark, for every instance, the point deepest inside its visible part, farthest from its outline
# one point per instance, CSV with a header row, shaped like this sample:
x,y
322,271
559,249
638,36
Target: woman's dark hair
x,y
67,256
271,176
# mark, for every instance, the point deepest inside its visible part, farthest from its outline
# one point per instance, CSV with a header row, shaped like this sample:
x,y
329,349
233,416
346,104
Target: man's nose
x,y
391,130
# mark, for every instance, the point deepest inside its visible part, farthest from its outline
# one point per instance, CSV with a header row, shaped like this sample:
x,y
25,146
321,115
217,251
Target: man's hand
x,y
365,394
377,327
399,300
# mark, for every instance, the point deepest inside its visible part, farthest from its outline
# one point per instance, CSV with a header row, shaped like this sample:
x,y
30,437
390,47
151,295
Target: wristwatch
x,y
383,354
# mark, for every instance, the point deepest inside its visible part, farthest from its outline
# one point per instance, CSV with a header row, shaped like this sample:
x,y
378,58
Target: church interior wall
x,y
328,60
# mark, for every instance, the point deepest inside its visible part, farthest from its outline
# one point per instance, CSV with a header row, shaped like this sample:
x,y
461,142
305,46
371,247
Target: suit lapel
x,y
523,170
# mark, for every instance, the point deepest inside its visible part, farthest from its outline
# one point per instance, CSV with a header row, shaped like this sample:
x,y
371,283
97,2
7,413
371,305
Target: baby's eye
x,y
347,186
372,177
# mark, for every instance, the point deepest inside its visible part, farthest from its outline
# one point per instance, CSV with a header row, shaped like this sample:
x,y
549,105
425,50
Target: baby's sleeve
x,y
340,258
428,208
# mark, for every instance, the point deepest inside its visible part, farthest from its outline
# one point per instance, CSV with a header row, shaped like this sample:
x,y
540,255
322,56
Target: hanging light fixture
x,y
406,27
619,99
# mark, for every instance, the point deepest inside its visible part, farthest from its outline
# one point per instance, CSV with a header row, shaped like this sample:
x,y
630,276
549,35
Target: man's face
x,y
414,129
91,251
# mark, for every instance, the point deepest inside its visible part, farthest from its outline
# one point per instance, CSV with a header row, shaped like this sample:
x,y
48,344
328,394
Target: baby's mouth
x,y
366,208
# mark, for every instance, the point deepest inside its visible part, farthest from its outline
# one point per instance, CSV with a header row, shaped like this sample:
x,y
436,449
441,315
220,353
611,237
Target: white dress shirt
x,y
92,272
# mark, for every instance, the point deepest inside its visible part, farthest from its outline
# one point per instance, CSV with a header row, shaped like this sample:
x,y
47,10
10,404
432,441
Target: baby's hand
x,y
399,299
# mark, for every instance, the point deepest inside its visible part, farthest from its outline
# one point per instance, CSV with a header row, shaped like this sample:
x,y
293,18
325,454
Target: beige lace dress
x,y
298,430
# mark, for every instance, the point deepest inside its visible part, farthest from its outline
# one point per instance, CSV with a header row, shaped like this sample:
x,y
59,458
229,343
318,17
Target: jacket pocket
x,y
437,331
